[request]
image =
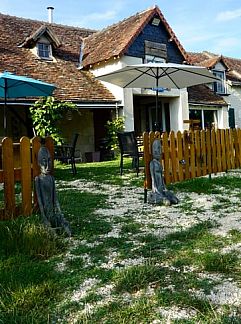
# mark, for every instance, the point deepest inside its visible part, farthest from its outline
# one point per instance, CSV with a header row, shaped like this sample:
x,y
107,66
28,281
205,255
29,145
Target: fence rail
x,y
193,154
18,168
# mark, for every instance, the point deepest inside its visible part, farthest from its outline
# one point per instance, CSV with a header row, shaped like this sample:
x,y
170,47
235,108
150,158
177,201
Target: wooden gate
x,y
19,166
194,153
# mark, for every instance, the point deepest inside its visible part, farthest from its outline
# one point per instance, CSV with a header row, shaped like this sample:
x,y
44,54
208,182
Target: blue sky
x,y
213,25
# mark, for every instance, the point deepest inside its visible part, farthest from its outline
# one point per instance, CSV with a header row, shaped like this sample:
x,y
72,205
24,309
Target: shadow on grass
x,y
205,185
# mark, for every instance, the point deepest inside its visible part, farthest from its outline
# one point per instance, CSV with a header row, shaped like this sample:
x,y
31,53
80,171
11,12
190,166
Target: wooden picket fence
x,y
193,154
19,166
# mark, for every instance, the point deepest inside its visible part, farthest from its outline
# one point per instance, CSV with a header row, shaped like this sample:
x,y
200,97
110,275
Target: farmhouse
x,y
71,57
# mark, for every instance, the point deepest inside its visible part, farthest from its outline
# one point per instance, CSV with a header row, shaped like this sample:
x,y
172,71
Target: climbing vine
x,y
46,113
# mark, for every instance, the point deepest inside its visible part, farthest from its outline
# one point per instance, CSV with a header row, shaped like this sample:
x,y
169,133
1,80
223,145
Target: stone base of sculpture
x,y
167,198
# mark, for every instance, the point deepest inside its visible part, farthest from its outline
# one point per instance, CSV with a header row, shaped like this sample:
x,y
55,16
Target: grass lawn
x,y
127,262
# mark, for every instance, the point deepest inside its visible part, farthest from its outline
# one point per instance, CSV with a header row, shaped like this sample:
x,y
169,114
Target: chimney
x,y
50,12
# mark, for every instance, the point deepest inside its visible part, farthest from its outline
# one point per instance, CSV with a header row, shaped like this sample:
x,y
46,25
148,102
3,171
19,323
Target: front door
x,y
145,114
161,116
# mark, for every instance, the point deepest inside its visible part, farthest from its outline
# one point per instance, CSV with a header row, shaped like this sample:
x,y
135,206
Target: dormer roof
x,y
114,40
206,59
45,31
209,60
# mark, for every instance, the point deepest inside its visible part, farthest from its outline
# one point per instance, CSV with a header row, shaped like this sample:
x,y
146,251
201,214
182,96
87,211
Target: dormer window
x,y
44,50
219,86
154,59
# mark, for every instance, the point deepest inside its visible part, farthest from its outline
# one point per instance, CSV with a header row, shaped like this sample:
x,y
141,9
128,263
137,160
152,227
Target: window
x,y
155,52
219,86
207,117
154,59
44,50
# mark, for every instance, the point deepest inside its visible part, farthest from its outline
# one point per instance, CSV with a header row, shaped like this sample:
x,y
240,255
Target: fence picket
x,y
236,148
166,158
239,145
26,179
8,171
209,151
214,151
186,141
173,156
192,155
223,151
218,142
198,152
203,153
180,155
227,148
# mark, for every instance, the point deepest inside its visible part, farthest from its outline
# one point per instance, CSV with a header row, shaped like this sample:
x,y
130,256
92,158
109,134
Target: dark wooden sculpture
x,y
47,196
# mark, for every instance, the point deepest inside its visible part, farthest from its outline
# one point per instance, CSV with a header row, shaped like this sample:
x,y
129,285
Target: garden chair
x,y
129,148
65,153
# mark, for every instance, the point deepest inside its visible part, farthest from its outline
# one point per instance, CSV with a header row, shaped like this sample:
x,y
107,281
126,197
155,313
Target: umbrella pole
x,y
156,124
5,109
156,121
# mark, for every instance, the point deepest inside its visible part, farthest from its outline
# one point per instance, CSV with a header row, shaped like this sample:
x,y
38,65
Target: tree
x,y
45,114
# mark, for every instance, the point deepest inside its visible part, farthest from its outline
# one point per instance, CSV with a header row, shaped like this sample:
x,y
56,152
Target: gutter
x,y
207,104
94,105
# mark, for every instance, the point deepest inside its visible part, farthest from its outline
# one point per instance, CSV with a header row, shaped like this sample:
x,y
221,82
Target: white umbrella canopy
x,y
155,75
166,75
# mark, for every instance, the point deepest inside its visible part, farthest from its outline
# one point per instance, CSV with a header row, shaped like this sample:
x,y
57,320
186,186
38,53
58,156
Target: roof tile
x,y
115,40
72,84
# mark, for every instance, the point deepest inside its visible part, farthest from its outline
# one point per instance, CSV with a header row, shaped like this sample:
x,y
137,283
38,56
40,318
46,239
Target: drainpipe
x,y
81,54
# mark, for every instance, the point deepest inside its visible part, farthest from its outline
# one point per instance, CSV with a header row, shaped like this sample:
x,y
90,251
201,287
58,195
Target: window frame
x,y
220,86
47,49
154,59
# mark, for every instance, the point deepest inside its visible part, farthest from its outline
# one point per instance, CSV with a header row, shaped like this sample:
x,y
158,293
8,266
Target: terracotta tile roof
x,y
72,84
209,60
202,94
114,40
206,59
234,65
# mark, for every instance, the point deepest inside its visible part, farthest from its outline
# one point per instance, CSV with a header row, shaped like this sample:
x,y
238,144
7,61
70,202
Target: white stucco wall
x,y
179,111
234,101
223,118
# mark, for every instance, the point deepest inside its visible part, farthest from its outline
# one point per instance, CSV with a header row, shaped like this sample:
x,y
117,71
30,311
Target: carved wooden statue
x,y
159,193
47,196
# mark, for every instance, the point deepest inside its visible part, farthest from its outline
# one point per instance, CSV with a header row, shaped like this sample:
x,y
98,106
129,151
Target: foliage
x,y
114,126
46,113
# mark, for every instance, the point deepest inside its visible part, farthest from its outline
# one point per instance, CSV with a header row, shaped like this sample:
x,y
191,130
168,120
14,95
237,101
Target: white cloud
x,y
98,16
225,44
229,15
109,13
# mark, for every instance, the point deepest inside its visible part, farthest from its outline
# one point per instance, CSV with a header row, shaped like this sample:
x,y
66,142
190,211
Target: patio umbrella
x,y
156,75
14,86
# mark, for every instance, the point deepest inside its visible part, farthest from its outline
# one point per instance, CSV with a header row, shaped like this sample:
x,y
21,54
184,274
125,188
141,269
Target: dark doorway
x,y
101,116
145,114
